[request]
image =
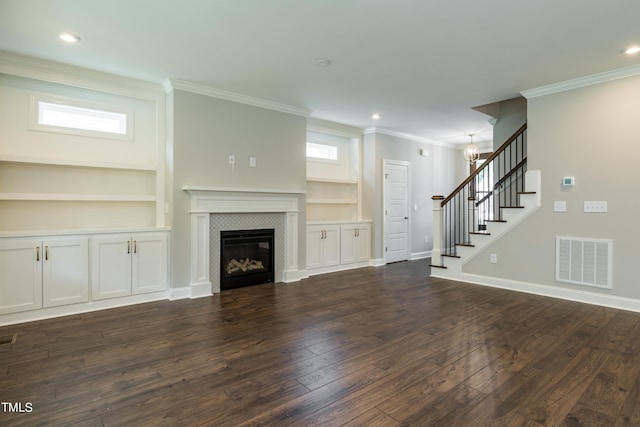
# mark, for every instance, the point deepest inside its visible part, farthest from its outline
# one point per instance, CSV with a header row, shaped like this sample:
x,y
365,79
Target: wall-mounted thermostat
x,y
568,181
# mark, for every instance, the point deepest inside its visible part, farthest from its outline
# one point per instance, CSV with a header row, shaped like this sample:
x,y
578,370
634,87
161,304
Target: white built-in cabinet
x,y
37,273
355,243
335,246
65,271
20,275
128,264
42,272
323,246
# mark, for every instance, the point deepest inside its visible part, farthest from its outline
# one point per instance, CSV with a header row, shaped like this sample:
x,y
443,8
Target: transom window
x,y
78,117
322,151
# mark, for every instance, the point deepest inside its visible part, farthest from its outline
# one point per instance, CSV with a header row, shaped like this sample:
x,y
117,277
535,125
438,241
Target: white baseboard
x,y
378,262
66,310
199,290
576,295
293,275
179,293
420,255
339,267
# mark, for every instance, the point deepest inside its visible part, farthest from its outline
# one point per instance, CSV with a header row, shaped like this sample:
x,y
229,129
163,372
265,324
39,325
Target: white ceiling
x,y
421,64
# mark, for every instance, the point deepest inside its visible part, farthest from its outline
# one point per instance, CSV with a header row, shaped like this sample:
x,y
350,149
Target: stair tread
x,y
465,244
511,207
451,256
480,232
496,220
437,266
527,192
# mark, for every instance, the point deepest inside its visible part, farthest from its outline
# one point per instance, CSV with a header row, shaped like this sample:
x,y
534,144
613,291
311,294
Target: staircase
x,y
491,201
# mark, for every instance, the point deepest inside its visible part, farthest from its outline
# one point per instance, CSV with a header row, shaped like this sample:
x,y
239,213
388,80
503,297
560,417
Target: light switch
x,y
252,162
595,207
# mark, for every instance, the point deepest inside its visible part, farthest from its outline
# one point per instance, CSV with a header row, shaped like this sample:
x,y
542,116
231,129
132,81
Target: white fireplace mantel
x,y
211,200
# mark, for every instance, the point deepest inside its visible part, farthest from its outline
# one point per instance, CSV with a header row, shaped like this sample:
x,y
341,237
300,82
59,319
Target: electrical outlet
x,y
426,239
252,162
494,258
559,206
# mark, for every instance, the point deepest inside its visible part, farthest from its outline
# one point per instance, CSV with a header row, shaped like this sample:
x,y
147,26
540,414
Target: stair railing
x,y
480,198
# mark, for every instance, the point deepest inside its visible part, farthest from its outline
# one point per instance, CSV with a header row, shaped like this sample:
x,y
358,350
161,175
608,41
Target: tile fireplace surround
x,y
210,206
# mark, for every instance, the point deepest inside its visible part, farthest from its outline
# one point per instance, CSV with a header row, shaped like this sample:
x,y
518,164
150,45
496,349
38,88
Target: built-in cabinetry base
x,y
55,274
338,246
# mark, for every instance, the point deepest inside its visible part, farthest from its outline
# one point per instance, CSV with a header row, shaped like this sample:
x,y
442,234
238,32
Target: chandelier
x,y
471,152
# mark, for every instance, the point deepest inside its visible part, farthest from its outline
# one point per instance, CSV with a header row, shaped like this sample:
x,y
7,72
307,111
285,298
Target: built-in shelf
x,y
82,164
332,201
333,181
76,197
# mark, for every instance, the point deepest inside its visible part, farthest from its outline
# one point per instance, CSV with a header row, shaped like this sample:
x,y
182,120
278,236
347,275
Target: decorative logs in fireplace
x,y
246,258
244,265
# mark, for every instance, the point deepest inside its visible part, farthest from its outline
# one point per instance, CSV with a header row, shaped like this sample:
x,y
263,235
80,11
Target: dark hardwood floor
x,y
369,347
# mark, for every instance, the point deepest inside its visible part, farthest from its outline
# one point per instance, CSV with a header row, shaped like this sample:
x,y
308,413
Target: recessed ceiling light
x,y
69,38
632,50
375,116
323,62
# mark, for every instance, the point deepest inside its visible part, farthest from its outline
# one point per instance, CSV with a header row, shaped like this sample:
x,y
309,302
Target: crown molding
x,y
409,137
593,79
175,84
333,128
60,73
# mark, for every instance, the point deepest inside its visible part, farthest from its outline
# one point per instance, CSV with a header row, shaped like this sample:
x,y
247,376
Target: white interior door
x,y
396,211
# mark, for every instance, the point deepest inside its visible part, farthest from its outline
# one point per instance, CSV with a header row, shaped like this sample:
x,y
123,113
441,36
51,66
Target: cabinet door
x,y
331,246
314,247
20,275
348,244
362,248
110,266
149,263
65,275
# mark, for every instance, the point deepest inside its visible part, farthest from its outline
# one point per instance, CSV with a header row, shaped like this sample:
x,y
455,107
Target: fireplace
x,y
214,209
246,258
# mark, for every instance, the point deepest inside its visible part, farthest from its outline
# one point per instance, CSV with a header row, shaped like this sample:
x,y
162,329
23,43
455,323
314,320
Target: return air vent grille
x,y
584,261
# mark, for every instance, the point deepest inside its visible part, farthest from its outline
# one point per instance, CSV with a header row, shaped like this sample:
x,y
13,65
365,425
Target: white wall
x,y
206,130
439,172
53,181
18,141
590,133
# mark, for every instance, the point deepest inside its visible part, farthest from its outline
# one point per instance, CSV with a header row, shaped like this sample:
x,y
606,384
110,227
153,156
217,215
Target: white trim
x,y
593,79
66,310
333,128
385,165
179,293
339,267
194,188
203,203
586,297
378,262
409,137
175,84
56,72
420,255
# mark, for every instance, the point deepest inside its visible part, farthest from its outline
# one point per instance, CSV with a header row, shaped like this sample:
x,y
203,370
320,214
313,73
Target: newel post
x,y
473,215
436,252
